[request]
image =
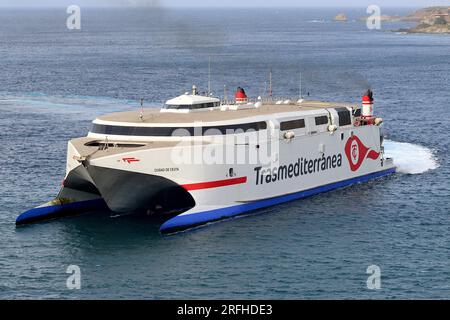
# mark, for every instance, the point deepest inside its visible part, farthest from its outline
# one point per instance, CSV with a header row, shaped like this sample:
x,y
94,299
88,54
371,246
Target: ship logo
x,y
130,160
357,152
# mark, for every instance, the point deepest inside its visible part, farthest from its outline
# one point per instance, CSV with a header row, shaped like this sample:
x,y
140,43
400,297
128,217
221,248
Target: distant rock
x,y
341,17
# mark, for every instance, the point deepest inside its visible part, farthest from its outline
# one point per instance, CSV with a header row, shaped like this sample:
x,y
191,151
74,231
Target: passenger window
x,y
321,120
293,124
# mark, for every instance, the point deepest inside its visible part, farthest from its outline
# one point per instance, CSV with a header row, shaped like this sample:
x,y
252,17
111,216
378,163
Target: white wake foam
x,y
317,21
88,106
410,158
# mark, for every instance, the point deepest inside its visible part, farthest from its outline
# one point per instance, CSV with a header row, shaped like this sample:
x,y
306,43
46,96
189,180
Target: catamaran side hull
x,y
47,212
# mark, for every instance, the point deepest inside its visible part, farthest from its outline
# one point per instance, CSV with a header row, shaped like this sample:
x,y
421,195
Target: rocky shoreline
x,y
435,20
427,29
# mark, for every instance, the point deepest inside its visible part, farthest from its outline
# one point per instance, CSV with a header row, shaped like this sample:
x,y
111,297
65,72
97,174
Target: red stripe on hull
x,y
214,184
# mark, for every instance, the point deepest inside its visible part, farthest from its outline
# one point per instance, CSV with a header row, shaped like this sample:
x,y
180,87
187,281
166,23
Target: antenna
x,y
209,76
270,83
141,115
300,86
225,98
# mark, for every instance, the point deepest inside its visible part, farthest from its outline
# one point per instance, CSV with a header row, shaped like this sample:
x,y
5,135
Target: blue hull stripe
x,y
47,212
185,221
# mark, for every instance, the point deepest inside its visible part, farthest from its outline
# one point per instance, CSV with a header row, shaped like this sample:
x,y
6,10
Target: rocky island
x,y
341,17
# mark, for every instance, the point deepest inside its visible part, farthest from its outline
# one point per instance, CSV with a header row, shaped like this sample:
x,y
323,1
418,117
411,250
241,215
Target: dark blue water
x,y
53,82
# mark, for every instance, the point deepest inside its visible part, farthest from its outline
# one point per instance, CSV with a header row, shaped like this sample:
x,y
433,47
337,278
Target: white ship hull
x,y
187,184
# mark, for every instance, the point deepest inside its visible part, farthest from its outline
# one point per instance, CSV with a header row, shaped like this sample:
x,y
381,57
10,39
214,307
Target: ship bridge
x,y
190,102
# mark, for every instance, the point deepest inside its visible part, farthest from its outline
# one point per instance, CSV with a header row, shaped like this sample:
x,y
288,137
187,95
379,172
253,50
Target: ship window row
x,y
321,120
292,124
193,106
177,131
344,115
113,145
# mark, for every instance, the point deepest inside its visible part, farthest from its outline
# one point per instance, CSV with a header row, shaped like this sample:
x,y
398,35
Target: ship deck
x,y
154,116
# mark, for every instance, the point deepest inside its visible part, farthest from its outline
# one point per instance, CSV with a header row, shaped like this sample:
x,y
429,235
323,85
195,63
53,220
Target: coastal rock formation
x,y
430,20
341,17
426,13
426,28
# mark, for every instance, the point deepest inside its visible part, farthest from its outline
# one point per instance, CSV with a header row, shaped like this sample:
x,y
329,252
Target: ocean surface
x,y
54,81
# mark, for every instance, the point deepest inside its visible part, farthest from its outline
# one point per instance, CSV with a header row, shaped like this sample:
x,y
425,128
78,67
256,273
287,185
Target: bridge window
x,y
193,106
345,118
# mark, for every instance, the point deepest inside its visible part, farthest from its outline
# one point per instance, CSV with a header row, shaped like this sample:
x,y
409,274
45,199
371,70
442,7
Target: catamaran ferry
x,y
199,159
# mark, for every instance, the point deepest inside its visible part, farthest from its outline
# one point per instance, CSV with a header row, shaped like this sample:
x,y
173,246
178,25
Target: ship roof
x,y
153,115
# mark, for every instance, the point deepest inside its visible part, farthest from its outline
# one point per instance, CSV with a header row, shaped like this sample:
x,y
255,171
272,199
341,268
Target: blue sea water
x,y
55,81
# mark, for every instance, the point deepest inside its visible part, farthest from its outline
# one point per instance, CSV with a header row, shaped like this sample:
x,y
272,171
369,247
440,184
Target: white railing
x,y
264,100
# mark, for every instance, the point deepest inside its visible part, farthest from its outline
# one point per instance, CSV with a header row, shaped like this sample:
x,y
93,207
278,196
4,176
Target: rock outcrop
x,y
341,17
430,20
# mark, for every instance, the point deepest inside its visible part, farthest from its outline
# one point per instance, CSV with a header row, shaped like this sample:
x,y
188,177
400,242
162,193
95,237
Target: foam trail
x,y
87,106
410,158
